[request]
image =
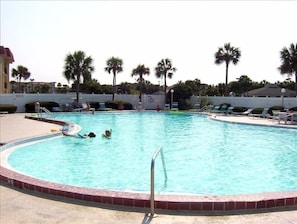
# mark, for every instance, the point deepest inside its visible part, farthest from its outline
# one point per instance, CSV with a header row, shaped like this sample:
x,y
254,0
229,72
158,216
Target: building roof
x,y
5,51
271,90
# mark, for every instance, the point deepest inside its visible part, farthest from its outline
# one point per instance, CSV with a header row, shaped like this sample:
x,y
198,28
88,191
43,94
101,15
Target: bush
x,y
8,107
95,105
116,105
204,101
30,107
183,105
111,104
127,106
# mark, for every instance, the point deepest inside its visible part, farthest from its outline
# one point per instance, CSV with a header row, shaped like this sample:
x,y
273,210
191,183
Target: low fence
x,y
250,102
149,102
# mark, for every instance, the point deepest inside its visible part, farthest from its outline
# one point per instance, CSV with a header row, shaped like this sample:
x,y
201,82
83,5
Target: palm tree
x,y
289,62
140,71
19,73
227,54
78,66
114,65
165,69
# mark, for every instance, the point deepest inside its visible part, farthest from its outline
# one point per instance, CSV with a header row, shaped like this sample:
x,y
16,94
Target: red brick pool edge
x,y
142,200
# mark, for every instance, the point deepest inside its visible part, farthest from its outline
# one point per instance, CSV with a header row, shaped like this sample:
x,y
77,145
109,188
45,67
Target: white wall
x,y
149,102
251,102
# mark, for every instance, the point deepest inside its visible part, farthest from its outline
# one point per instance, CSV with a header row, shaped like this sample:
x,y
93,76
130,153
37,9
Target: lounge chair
x,y
264,114
219,109
215,109
229,110
285,117
274,115
66,107
174,106
247,112
56,109
196,107
166,106
293,117
103,108
85,107
223,109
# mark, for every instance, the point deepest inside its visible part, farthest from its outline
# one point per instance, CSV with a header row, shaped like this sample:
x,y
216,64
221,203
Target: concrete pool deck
x,y
26,207
253,121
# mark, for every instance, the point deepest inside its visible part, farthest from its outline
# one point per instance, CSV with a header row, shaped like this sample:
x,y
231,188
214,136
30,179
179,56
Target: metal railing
x,y
43,109
205,108
153,178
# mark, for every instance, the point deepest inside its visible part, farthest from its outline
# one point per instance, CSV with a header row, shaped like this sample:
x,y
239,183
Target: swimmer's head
x,y
107,133
91,135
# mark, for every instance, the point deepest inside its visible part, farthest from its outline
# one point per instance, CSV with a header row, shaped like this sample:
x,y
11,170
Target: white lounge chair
x,y
229,110
247,112
85,107
223,109
215,109
103,108
166,106
263,114
285,117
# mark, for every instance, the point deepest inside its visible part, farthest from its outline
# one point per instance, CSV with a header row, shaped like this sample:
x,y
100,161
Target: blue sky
x,y
41,33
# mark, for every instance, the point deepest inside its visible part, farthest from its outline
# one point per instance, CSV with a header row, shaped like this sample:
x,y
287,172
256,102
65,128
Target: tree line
x,y
79,67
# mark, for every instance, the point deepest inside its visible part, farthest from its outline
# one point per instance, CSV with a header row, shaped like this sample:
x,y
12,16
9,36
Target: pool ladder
x,y
43,109
152,214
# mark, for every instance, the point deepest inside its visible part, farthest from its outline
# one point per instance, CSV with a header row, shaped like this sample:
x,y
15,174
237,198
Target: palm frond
x,y
288,58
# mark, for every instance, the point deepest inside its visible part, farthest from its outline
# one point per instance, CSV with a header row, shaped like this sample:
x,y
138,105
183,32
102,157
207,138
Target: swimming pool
x,y
202,156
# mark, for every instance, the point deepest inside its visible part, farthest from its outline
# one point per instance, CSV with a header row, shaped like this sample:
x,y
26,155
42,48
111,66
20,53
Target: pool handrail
x,y
45,110
152,214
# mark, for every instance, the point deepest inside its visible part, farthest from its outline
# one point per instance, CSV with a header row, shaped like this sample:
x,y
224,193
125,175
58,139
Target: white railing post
x,y
152,214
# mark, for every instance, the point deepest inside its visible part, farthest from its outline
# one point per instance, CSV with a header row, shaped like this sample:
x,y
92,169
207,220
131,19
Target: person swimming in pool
x,y
90,135
107,134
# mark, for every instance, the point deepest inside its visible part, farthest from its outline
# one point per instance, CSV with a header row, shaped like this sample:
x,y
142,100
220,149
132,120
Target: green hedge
x,y
118,105
95,105
8,108
30,107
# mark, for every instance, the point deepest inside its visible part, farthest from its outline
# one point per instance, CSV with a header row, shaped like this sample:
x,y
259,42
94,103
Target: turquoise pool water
x,y
202,156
